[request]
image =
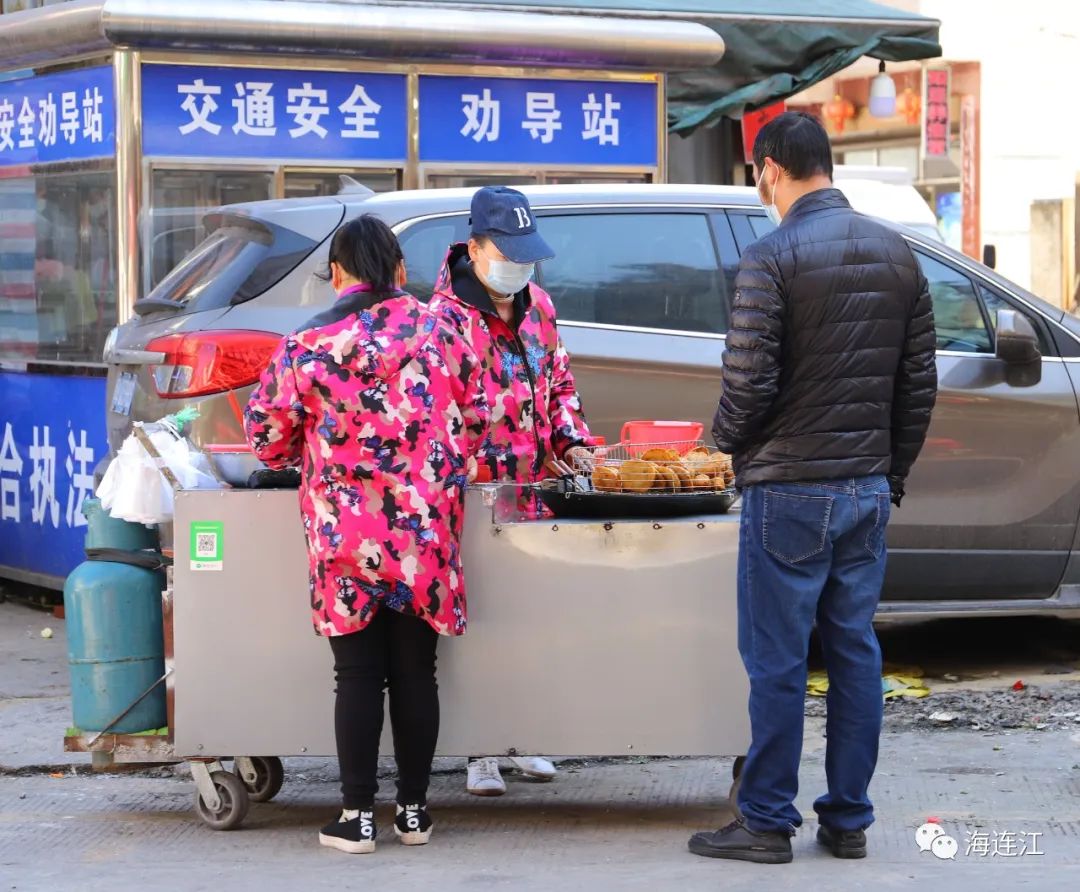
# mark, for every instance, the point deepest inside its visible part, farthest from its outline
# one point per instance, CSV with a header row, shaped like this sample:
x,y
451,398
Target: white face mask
x,y
771,210
507,277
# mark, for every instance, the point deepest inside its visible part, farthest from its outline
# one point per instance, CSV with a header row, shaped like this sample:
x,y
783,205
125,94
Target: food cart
x,y
595,637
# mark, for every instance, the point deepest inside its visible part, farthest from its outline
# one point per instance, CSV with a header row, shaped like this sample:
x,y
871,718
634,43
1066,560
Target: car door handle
x,y
125,356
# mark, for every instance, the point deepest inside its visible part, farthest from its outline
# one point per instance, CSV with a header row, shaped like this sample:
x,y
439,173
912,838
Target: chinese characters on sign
x,y
48,450
503,120
936,113
57,117
269,113
247,113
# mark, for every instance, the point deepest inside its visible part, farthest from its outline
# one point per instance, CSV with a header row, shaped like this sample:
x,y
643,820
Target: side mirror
x,y
1018,347
990,256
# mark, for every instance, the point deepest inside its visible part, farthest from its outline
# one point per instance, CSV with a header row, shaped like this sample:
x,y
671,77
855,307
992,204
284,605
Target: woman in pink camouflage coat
x,y
537,426
381,406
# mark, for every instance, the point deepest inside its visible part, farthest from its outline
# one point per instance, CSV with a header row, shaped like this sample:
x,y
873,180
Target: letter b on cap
x,y
523,220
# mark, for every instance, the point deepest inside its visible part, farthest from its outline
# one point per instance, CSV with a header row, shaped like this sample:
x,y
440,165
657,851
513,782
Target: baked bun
x,y
703,481
660,454
666,479
606,479
681,473
637,475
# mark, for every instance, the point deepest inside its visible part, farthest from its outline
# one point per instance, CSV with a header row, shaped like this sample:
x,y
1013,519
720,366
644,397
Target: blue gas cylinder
x,y
115,641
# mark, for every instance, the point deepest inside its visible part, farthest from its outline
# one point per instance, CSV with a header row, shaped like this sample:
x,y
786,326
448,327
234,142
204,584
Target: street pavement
x,y
600,825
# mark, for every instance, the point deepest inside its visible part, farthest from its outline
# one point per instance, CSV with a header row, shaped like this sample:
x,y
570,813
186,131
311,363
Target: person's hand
x,y
579,458
896,490
472,469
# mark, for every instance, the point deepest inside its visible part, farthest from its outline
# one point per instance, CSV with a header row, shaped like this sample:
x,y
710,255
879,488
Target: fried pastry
x,y
637,476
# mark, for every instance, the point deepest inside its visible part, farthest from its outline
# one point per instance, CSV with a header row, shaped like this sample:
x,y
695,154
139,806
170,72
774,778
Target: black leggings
x,y
394,652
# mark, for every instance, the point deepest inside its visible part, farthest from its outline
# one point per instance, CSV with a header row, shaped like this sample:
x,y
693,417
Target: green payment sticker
x,y
207,544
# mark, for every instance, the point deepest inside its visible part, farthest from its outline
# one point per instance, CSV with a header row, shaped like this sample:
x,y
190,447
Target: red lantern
x,y
909,105
839,110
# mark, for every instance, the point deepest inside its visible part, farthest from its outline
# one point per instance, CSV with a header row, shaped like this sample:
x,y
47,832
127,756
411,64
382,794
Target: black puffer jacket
x,y
829,368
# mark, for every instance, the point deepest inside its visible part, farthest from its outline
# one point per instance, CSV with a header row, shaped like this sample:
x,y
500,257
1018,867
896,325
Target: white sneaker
x,y
484,778
535,766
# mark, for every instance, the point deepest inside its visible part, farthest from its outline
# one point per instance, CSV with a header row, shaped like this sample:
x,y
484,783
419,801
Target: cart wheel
x,y
269,776
234,802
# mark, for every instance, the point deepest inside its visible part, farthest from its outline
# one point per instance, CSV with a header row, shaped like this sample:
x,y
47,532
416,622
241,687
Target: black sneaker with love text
x,y
353,833
413,824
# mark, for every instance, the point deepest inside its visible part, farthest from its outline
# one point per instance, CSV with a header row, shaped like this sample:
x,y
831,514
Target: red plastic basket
x,y
634,432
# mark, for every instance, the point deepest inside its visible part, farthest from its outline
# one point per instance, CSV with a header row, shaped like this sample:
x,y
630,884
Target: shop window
x,y
477,180
180,199
425,245
958,317
314,184
646,270
57,266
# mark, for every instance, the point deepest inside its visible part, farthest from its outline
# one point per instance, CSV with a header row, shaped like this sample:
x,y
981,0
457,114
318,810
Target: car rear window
x,y
239,259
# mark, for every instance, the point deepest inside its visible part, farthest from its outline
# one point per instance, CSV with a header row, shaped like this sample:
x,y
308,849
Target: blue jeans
x,y
811,551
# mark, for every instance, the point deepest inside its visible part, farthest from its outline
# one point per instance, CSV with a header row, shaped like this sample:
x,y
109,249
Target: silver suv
x,y
642,281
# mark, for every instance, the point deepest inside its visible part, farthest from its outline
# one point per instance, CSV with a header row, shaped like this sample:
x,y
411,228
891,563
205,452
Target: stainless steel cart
x,y
602,638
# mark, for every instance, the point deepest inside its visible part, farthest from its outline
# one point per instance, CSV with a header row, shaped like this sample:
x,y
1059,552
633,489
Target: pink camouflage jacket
x,y
536,412
380,405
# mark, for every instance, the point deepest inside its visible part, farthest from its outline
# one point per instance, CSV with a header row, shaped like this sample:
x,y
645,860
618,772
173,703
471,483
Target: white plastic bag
x,y
134,488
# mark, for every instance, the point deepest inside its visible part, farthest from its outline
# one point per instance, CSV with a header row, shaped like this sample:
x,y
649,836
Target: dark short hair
x,y
798,143
367,249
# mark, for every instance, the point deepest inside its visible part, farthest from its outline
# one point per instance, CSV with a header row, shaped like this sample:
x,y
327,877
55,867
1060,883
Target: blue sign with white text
x,y
273,113
52,434
69,116
506,121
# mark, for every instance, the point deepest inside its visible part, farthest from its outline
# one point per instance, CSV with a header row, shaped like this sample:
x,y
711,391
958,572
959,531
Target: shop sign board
x,y
310,115
537,121
52,434
936,113
969,176
68,116
211,112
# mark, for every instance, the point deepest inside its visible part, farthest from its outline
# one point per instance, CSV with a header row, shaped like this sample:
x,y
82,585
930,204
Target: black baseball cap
x,y
503,215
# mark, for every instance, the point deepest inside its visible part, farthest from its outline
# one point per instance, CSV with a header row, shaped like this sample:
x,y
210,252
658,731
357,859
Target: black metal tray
x,y
565,501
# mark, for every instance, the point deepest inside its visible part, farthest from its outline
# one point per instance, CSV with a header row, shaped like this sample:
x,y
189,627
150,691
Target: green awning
x,y
775,48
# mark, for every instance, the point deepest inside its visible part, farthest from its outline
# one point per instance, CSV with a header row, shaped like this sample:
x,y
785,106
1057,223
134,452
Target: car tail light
x,y
205,362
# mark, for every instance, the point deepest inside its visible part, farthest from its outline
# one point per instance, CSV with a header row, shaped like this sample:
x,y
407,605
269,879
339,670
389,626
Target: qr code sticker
x,y
206,545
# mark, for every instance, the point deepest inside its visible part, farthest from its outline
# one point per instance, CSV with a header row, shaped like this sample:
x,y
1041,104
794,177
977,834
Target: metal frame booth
x,y
121,119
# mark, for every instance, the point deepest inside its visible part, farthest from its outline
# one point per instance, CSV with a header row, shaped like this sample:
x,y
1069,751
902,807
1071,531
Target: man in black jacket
x,y
828,385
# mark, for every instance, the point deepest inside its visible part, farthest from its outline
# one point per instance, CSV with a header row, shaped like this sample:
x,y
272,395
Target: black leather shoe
x,y
843,843
739,843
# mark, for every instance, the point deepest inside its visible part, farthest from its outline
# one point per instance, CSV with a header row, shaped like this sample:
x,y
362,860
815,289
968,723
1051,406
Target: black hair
x,y
367,249
798,143
480,239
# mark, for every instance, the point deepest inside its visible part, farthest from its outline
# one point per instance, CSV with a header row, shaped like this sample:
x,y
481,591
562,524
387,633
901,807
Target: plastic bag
x,y
134,488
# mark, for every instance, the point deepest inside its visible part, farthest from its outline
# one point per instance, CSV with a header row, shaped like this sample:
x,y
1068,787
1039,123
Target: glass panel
x,y
424,246
179,200
642,270
302,184
57,265
906,157
238,261
957,314
584,179
867,157
478,180
761,225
